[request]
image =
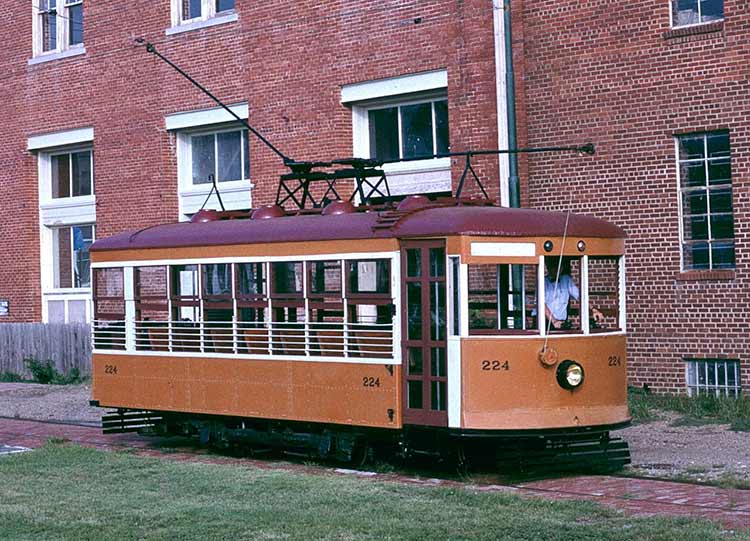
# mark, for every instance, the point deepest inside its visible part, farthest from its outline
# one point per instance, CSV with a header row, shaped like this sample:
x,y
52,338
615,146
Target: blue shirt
x,y
557,295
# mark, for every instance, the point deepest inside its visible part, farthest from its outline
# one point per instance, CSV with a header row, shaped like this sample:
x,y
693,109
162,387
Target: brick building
x,y
100,136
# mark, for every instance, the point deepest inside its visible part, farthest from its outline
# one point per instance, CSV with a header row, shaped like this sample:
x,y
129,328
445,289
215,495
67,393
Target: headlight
x,y
569,375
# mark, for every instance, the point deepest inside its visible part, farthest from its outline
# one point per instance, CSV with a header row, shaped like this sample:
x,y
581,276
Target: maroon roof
x,y
427,222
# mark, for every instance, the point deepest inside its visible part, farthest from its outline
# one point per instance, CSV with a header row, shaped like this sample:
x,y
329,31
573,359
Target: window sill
x,y
197,25
705,275
51,57
694,30
224,187
418,166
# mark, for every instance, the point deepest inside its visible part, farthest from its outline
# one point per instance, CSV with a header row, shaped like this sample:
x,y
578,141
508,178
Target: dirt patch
x,y
675,449
48,402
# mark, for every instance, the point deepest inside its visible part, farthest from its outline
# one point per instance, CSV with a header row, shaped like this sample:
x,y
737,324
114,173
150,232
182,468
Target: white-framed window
x,y
408,130
719,377
71,262
704,172
58,25
404,118
67,216
190,14
690,12
211,145
221,155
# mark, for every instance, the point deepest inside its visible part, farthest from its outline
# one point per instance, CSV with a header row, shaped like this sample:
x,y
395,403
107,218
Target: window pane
x,y
325,277
383,124
696,255
203,156
287,278
49,31
217,279
723,254
75,18
76,311
81,173
185,281
415,394
56,311
415,367
250,278
696,227
224,5
414,310
693,174
437,262
692,147
712,10
414,262
721,200
718,143
722,226
61,176
230,149
63,263
685,12
83,236
437,311
416,130
438,394
369,276
441,127
439,365
694,202
191,9
246,155
719,171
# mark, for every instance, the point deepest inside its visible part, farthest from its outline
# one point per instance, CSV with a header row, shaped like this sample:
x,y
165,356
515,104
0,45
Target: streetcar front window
x,y
604,293
502,299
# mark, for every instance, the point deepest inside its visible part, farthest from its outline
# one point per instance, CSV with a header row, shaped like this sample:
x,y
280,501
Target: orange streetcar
x,y
438,327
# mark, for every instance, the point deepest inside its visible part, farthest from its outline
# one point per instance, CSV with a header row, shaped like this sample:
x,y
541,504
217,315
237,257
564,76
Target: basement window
x,y
719,377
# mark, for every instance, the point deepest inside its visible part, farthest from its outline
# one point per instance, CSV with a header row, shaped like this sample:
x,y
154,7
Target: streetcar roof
x,y
438,221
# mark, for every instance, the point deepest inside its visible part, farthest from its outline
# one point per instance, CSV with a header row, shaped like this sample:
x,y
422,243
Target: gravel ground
x,y
709,452
48,402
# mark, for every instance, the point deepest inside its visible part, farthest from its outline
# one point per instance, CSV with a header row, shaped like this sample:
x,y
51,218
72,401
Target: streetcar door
x,y
424,340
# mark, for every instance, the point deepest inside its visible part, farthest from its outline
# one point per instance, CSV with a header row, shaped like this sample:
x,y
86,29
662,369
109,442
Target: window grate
x,y
719,377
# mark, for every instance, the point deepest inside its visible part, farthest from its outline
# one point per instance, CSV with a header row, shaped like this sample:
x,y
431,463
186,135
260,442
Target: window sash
x,y
400,106
689,188
59,25
694,7
216,167
720,377
71,168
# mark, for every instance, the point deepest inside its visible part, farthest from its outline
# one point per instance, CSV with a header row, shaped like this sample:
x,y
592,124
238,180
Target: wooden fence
x,y
68,345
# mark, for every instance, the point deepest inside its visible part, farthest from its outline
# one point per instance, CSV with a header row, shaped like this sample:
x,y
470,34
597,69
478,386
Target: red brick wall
x,y
287,60
610,72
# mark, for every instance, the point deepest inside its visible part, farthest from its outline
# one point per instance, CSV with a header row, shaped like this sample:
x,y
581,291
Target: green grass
x,y
70,492
697,410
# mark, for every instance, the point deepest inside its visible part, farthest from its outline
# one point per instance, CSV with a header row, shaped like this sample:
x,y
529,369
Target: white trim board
x,y
205,117
393,86
60,139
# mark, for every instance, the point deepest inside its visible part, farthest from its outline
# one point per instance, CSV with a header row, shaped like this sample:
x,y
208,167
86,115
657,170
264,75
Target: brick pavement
x,y
636,497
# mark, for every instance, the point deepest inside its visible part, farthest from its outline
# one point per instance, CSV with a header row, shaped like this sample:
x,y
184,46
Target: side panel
x,y
340,393
524,394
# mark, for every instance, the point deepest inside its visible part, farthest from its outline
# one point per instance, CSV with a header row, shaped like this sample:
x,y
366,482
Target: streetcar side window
x,y
151,309
502,299
252,307
604,293
287,308
369,306
218,307
326,307
109,308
